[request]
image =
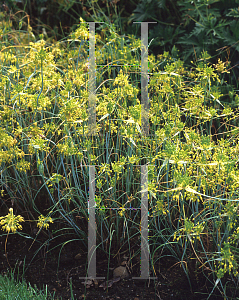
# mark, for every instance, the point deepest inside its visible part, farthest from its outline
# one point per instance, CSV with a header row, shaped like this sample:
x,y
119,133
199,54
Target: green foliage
x,y
194,26
11,289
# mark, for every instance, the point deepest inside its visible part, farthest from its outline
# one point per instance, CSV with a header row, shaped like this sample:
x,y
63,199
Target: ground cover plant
x,y
191,151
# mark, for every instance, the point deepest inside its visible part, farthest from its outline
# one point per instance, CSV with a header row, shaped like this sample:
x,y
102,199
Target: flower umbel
x,y
10,222
43,221
227,262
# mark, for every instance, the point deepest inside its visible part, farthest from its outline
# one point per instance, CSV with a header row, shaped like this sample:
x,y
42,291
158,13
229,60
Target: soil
x,y
42,268
59,260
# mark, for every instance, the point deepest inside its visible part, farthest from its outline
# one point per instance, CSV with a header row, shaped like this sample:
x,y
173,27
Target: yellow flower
x,y
42,221
121,212
10,222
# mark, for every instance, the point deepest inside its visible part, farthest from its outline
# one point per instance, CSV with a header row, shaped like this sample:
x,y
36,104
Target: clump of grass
x,y
16,289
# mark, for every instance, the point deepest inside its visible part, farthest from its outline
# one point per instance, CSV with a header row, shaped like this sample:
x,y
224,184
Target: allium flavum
x,y
10,222
43,221
227,262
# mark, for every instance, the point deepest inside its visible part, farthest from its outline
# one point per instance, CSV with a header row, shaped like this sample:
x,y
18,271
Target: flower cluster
x,y
227,262
10,222
44,221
